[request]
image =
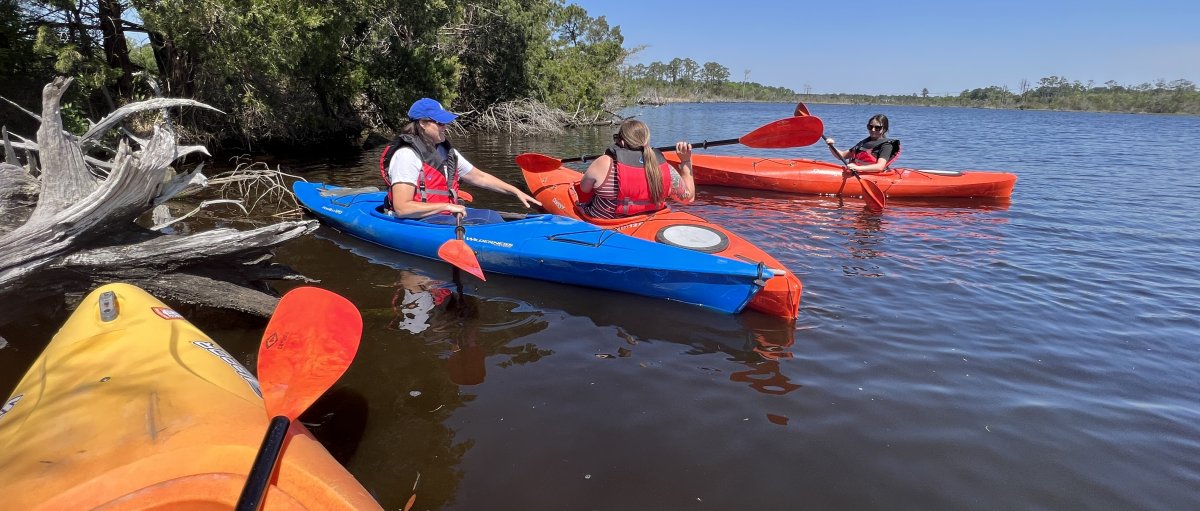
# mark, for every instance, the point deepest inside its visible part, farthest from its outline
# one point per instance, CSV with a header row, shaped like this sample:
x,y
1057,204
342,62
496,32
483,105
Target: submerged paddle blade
x,y
458,253
308,344
534,162
801,110
876,200
786,132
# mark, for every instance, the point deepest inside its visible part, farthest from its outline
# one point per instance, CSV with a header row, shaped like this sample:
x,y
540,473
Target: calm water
x,y
1038,353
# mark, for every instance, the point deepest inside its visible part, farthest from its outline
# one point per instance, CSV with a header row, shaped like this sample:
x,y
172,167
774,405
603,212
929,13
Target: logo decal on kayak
x,y
502,244
220,353
166,313
632,226
10,404
335,211
559,204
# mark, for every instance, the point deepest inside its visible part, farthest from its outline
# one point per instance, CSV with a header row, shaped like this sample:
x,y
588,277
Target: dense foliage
x,y
300,72
1052,93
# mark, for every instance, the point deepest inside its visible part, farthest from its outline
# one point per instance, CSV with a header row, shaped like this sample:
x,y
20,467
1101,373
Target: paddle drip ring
x,y
694,237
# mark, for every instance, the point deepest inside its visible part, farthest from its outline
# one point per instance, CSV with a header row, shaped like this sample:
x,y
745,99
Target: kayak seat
x,y
473,217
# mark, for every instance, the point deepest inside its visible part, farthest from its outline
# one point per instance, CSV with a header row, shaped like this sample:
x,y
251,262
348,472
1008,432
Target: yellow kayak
x,y
131,407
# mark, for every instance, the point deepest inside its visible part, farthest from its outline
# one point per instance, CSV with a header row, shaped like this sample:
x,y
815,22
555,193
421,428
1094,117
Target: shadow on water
x,y
338,419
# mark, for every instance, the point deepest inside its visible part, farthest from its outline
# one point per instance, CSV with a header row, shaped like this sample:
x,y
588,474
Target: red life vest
x,y
867,151
438,179
633,189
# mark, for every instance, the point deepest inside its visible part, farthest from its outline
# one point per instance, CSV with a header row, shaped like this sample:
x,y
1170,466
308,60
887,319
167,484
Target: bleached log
x,y
82,232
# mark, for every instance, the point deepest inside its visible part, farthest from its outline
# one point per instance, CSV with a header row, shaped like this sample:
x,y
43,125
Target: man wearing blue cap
x,y
422,170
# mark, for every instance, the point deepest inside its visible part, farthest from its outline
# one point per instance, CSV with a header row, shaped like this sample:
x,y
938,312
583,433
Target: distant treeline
x,y
1050,93
684,78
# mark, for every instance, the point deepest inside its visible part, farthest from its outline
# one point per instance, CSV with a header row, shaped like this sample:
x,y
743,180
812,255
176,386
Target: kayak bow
x,y
131,407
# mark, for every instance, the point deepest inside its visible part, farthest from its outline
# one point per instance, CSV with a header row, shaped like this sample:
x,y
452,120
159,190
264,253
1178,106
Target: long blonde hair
x,y
636,135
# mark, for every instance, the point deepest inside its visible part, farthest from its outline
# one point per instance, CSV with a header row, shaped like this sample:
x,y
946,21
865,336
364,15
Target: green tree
x,y
714,74
579,69
84,38
22,71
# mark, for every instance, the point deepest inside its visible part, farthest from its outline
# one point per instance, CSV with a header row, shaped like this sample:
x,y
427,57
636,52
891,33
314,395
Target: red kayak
x,y
781,292
821,178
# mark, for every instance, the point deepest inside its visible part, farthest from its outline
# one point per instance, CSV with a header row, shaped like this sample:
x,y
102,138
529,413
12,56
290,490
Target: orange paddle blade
x,y
876,200
875,197
308,344
801,110
458,253
534,162
786,132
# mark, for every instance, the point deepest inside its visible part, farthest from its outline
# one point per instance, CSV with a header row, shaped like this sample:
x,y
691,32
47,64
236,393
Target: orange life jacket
x,y
633,189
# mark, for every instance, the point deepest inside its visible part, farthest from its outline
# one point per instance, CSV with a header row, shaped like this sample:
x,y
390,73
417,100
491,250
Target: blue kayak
x,y
546,247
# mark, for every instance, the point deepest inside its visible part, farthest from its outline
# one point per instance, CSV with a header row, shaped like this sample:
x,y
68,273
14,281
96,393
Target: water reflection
x,y
753,341
467,328
416,297
442,315
834,227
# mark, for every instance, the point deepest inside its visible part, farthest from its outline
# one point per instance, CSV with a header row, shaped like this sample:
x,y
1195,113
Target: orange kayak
x,y
821,178
780,295
144,412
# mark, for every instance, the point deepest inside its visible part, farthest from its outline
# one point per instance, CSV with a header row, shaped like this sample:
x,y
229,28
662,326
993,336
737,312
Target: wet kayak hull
x,y
548,247
781,293
814,177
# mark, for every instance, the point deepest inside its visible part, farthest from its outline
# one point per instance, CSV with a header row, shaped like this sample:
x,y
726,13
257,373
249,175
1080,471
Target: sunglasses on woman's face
x,y
874,127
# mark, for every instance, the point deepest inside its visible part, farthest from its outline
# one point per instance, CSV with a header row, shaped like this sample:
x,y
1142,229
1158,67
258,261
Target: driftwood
x,y
81,231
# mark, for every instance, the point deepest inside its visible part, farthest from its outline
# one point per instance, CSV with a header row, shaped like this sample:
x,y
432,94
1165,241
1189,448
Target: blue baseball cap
x,y
426,108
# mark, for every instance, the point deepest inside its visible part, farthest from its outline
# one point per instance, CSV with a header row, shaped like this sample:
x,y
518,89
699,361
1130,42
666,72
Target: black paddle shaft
x,y
702,145
264,465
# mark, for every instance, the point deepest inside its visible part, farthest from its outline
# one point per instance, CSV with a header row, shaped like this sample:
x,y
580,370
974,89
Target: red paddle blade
x,y
308,344
534,162
786,132
801,110
876,200
458,253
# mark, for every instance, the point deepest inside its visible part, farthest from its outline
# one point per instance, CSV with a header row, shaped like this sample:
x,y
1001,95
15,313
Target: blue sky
x,y
902,47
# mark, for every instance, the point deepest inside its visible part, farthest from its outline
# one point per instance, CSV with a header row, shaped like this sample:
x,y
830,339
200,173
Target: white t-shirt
x,y
405,166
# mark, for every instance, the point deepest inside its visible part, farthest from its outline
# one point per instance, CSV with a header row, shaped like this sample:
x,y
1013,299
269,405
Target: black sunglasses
x,y
874,127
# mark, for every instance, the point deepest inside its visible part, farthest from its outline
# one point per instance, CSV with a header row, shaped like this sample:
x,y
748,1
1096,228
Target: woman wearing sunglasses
x,y
874,153
422,170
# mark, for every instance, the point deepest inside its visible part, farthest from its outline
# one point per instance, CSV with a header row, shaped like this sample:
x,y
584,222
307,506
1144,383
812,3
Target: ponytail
x,y
653,174
635,134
